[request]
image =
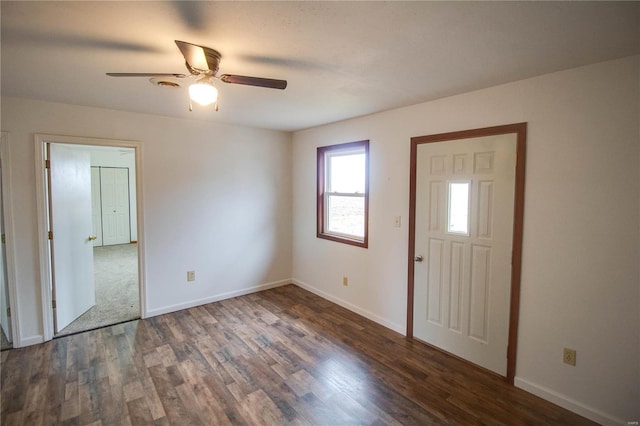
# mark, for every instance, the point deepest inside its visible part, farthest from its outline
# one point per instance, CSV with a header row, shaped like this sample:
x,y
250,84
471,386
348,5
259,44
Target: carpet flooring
x,y
117,294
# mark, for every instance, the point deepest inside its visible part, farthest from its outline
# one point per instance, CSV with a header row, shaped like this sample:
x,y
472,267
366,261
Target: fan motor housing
x,y
165,82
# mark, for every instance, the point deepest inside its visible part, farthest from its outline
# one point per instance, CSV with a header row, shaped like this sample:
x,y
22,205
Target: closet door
x,y
114,187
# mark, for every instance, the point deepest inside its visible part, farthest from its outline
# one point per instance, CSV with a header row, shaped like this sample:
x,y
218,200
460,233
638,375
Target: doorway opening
x,y
115,257
89,210
465,243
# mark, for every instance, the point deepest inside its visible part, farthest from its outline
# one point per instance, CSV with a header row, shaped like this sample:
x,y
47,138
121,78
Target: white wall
x,y
125,158
217,200
580,273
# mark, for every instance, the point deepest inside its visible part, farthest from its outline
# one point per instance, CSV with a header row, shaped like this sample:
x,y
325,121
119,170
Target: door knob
x,y
418,258
92,237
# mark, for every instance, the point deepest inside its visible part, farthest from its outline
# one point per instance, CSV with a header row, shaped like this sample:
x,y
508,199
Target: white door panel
x,y
123,224
71,223
464,230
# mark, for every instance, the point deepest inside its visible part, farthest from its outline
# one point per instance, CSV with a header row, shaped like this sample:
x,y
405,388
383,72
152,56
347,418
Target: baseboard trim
x,y
568,403
28,341
358,310
216,298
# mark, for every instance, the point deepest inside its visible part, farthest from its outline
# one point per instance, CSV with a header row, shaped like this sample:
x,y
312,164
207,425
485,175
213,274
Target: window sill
x,y
345,240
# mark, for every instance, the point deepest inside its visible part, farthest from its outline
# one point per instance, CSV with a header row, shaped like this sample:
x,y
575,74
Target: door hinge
x,y
50,235
8,312
4,239
47,164
53,304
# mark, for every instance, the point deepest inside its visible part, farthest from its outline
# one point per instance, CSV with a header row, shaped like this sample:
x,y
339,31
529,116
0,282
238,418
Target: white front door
x,y
463,246
71,224
114,186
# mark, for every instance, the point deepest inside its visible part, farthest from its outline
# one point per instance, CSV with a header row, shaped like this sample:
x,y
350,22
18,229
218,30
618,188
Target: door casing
x,y
520,129
42,216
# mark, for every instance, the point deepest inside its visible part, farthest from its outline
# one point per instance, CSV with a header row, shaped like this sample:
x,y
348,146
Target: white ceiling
x,y
341,59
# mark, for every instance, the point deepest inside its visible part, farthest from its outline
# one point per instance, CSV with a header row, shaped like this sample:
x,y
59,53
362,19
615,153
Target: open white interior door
x,y
71,224
5,318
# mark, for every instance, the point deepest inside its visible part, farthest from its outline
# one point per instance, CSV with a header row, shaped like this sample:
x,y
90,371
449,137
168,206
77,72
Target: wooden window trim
x,y
320,181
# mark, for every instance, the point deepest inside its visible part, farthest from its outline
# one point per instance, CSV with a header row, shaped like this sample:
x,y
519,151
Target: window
x,y
458,216
343,193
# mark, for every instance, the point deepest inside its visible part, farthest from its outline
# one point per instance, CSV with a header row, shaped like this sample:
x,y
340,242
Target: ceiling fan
x,y
203,63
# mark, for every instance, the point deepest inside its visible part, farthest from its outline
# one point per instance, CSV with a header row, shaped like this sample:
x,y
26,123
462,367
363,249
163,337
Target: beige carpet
x,y
117,297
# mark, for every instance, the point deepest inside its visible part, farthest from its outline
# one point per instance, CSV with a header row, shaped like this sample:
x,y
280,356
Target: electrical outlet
x,y
191,275
345,281
569,356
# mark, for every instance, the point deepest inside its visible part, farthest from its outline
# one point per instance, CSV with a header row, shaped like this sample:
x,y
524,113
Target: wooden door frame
x,y
520,130
42,217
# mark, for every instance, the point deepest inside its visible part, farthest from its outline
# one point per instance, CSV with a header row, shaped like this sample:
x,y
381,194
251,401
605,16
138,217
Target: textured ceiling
x,y
341,59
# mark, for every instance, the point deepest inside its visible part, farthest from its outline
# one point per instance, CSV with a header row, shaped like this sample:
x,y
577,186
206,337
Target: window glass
x,y
459,207
345,215
347,173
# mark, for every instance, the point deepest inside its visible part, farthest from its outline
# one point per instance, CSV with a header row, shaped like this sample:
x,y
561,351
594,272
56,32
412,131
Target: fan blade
x,y
200,58
254,81
144,74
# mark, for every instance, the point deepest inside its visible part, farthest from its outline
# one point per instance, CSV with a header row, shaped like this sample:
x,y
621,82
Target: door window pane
x,y
459,207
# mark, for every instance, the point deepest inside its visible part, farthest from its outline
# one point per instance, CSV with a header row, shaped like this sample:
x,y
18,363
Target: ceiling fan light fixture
x,y
203,93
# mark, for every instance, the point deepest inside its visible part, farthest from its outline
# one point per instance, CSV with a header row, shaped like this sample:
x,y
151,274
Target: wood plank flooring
x,y
281,356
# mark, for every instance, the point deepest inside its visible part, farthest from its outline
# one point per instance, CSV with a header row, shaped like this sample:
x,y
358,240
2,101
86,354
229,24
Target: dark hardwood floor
x,y
282,356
